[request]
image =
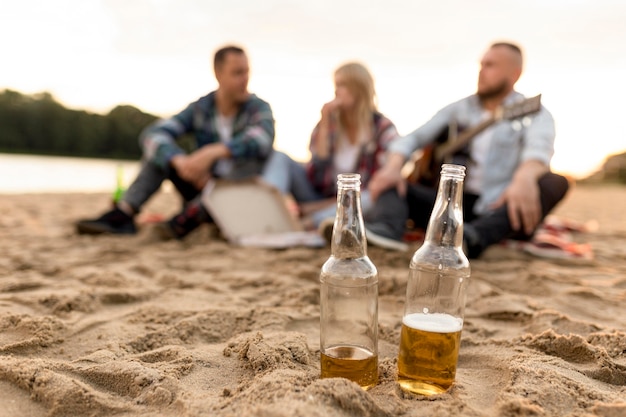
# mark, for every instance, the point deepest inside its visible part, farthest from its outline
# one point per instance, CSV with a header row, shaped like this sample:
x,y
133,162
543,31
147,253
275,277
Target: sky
x,y
156,55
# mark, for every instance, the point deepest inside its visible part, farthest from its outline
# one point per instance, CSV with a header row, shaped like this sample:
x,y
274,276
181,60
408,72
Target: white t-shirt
x,y
346,155
225,130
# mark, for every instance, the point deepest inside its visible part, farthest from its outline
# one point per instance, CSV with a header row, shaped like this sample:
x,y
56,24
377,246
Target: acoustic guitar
x,y
451,143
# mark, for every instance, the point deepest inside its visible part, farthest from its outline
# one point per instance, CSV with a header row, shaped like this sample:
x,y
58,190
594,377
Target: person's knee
x,y
389,194
277,157
564,185
555,184
277,163
276,171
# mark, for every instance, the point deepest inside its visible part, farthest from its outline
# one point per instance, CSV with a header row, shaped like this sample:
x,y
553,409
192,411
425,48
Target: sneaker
x,y
183,223
112,222
379,234
325,229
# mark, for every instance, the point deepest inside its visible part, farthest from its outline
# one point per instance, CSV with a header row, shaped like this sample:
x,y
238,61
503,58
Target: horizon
x,y
103,113
158,55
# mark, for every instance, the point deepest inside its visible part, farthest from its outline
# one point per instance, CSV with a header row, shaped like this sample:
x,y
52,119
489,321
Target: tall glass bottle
x,y
349,295
435,295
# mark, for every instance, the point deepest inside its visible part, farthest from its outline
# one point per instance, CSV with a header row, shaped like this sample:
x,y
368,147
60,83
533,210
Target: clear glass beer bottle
x,y
349,295
435,296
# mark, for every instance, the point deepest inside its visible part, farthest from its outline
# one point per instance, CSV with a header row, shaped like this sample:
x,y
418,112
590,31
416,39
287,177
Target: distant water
x,y
35,174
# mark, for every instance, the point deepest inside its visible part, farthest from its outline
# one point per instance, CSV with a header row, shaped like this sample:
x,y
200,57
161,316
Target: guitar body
x,y
426,167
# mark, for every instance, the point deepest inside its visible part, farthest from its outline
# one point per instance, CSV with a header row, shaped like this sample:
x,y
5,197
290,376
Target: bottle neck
x,y
445,227
348,240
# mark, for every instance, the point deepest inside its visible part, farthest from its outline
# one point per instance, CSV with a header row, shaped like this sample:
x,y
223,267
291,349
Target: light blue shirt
x,y
514,141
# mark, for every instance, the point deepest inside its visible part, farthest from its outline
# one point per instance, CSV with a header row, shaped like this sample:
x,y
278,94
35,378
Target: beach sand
x,y
130,326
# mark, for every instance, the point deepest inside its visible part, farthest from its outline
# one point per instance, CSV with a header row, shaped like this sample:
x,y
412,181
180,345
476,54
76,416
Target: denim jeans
x,y
151,176
149,181
289,177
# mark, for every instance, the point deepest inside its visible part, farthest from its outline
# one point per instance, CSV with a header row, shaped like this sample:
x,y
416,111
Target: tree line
x,y
38,124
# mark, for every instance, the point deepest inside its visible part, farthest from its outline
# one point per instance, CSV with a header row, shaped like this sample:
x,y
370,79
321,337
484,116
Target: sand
x,y
130,326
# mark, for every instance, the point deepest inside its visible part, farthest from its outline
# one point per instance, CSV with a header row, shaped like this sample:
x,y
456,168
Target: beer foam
x,y
435,322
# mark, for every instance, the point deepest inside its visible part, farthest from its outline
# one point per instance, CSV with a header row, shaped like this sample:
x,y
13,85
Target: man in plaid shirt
x,y
233,134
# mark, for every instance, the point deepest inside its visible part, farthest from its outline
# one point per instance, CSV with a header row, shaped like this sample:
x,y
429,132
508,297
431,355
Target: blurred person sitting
x,y
351,136
233,133
508,188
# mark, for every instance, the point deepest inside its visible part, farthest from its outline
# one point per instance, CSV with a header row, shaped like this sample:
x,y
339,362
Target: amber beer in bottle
x,y
435,296
349,295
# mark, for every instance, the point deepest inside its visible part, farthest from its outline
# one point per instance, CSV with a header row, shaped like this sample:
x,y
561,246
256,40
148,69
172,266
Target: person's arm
x,y
257,138
389,176
158,140
319,168
522,195
385,132
195,168
401,148
320,139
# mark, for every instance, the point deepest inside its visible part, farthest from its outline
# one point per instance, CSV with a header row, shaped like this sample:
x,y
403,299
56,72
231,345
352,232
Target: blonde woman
x,y
351,136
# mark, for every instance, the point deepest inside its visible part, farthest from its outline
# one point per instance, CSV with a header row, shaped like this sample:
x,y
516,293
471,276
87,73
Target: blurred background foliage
x,y
38,124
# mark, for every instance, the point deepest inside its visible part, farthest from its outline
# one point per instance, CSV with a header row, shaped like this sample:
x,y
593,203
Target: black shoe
x,y
183,223
112,222
379,234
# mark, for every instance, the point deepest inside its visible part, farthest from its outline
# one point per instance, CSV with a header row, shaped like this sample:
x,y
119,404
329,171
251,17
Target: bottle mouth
x,y
453,170
348,180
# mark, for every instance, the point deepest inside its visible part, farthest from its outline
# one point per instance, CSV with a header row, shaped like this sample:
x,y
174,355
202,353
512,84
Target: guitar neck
x,y
463,139
527,106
